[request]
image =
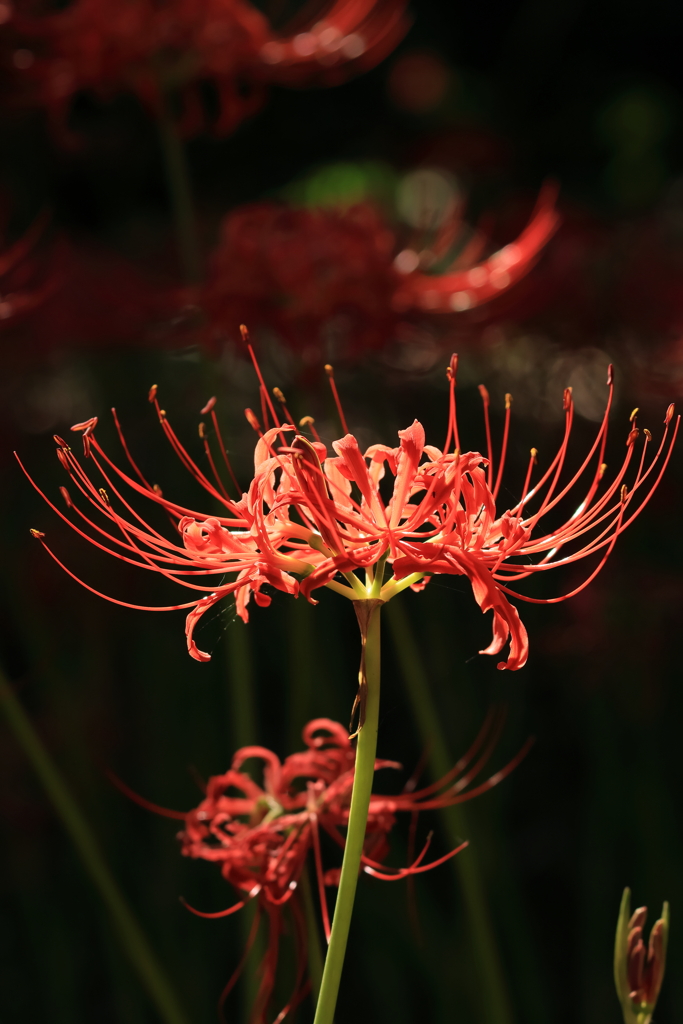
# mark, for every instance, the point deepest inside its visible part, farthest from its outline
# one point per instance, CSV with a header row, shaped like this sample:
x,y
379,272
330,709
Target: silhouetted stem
x,y
315,955
244,732
358,814
466,866
132,938
180,193
300,660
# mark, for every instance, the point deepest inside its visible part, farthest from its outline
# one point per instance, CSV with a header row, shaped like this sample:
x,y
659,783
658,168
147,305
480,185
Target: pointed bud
x,y
639,971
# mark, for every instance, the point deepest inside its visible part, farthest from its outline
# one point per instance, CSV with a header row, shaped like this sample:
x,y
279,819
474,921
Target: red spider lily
x,y
261,835
142,46
299,270
309,518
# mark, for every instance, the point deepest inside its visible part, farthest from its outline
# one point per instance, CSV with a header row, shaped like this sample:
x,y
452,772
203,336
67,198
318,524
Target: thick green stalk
x,y
369,618
180,193
492,985
132,938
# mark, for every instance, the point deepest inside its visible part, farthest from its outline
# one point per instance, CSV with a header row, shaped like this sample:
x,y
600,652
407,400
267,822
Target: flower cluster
x,y
143,46
306,271
261,835
312,519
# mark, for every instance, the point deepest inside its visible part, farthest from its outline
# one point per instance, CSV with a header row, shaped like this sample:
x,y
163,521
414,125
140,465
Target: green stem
x,y
369,618
132,938
492,985
180,192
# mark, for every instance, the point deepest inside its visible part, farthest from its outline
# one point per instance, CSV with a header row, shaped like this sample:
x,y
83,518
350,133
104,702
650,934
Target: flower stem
x,y
243,732
131,935
369,619
180,193
492,983
315,955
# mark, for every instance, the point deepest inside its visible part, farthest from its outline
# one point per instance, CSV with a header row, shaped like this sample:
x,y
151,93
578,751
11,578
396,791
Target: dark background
x,y
588,94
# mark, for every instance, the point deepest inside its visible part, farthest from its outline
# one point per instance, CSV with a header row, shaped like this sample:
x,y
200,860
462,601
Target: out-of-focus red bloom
x,y
302,272
261,835
310,519
306,272
144,47
23,284
61,294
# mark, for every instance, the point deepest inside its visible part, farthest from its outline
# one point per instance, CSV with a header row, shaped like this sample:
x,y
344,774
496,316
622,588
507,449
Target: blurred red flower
x,y
261,835
340,278
147,48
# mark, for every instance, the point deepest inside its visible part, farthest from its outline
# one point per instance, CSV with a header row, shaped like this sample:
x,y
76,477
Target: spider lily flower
x,y
261,836
141,46
310,519
298,269
639,969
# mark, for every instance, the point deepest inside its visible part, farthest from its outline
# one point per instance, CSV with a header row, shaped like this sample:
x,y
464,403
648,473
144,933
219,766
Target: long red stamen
x,y
329,370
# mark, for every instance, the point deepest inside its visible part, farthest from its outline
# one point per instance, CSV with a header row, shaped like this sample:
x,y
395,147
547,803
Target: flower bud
x,y
639,971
